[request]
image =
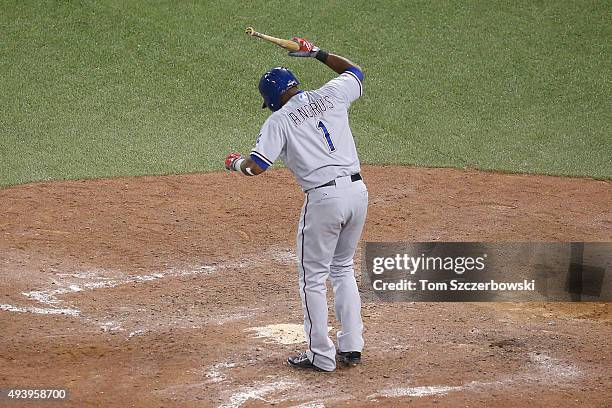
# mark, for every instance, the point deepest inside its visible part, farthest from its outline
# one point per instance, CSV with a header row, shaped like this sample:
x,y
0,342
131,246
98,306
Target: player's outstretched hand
x,y
307,49
231,159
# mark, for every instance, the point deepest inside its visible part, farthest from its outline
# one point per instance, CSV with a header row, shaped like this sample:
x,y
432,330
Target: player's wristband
x,y
322,55
237,166
237,163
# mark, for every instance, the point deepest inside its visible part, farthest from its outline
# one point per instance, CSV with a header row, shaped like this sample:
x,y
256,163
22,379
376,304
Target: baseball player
x,y
309,131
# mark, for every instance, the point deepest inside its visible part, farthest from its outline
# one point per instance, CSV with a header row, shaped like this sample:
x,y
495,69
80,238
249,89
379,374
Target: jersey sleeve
x,y
347,87
270,143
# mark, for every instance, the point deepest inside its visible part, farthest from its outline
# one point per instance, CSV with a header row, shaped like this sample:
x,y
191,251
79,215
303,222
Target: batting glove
x,y
307,49
232,161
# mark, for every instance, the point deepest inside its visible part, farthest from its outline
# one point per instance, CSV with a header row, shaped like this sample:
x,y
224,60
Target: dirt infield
x,y
172,291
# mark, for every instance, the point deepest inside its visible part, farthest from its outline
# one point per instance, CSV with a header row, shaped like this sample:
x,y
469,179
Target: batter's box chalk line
x,y
281,391
262,391
541,368
39,310
214,373
82,281
313,404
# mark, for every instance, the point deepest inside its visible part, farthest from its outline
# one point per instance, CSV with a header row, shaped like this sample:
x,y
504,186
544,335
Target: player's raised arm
x,y
337,63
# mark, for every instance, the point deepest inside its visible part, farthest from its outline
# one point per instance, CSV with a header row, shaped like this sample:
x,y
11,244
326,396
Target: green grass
x,y
107,88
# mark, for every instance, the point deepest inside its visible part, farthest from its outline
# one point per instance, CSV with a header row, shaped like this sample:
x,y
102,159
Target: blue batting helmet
x,y
272,85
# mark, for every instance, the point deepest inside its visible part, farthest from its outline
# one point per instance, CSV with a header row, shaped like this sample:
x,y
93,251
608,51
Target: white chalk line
x,y
50,296
424,391
313,404
68,283
257,391
136,333
270,391
232,317
547,370
214,373
275,392
39,310
550,367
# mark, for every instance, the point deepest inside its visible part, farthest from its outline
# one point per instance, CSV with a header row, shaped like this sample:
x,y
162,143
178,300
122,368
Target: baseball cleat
x,y
302,361
350,358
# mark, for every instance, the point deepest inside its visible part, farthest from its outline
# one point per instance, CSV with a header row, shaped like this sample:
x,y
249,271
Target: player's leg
x,y
317,234
346,294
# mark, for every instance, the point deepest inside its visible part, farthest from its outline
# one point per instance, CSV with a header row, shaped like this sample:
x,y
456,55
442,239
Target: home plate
x,y
281,333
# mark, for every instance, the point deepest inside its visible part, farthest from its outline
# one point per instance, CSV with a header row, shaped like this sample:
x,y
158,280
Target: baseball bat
x,y
287,44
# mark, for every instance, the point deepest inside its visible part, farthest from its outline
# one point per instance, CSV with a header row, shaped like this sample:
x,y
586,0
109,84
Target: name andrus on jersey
x,y
310,110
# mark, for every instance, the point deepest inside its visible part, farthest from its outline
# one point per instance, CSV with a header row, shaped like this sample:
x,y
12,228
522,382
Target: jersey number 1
x,y
330,144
